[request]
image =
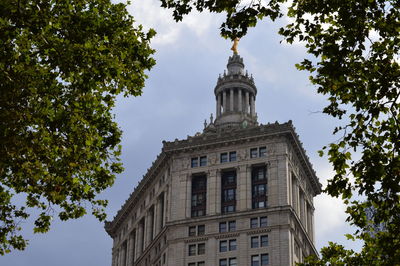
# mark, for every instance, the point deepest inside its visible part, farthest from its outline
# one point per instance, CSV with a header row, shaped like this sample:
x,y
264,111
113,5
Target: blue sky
x,y
177,98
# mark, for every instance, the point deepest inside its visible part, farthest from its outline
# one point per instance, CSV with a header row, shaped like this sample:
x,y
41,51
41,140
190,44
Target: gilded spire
x,y
235,44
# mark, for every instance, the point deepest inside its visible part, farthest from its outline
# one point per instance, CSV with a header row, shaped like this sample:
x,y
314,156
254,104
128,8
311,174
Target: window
x,y
199,193
263,221
254,222
255,261
222,227
223,246
258,152
192,264
224,157
192,250
232,156
254,242
253,153
227,226
201,263
192,230
201,230
228,157
258,222
195,162
199,161
232,226
232,244
201,249
259,187
264,259
262,151
264,241
259,241
203,161
228,192
223,262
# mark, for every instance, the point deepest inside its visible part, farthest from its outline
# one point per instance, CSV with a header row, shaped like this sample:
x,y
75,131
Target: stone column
x,y
224,101
149,227
240,100
246,104
218,191
248,187
188,200
231,92
157,227
131,248
218,105
139,246
252,109
212,193
242,190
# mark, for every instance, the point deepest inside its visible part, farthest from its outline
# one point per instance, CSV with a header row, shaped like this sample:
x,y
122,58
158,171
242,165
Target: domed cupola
x,y
235,94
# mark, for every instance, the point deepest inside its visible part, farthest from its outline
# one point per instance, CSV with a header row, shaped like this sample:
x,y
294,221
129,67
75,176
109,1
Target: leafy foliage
x,y
62,65
355,48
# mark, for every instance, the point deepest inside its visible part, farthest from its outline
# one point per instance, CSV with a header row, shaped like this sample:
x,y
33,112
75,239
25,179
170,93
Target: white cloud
x,y
151,15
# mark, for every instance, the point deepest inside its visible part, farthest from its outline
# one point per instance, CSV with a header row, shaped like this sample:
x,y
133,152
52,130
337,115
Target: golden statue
x,y
235,44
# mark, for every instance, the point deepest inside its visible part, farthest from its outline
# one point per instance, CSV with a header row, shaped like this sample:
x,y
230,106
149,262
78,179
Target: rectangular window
x,y
192,264
222,227
232,156
228,192
223,246
232,262
232,226
254,242
201,230
199,193
259,187
264,259
253,153
264,241
223,262
263,221
201,249
224,157
201,263
262,151
232,244
255,260
254,222
203,161
192,230
192,250
195,162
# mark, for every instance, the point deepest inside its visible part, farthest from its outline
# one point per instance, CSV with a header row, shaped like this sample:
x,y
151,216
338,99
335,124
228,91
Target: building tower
x,y
238,193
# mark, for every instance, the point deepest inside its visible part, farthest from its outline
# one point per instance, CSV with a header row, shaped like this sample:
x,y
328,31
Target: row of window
x,y
228,226
228,245
228,191
228,157
256,260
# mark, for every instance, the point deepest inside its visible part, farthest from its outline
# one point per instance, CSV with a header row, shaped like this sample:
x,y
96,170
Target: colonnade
x,y
235,101
142,235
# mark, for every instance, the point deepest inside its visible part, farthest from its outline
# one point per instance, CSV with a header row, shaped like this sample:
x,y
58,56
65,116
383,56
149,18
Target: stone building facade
x,y
238,193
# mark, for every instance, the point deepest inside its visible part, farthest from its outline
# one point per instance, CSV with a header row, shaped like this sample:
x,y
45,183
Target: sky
x,y
177,98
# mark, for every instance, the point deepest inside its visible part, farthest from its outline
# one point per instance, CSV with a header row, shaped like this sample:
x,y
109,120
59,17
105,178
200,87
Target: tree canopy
x,y
62,65
353,58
